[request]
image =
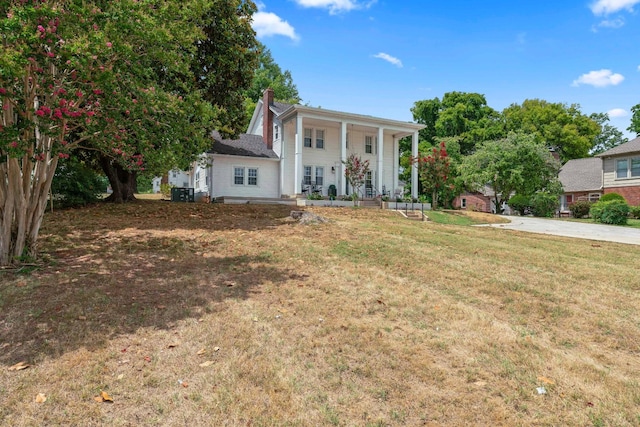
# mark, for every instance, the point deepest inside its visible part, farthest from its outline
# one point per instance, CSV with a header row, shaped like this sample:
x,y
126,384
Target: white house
x,y
291,150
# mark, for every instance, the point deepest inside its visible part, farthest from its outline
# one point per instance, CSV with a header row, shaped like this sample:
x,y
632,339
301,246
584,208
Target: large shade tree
x,y
635,120
516,164
609,136
561,127
110,78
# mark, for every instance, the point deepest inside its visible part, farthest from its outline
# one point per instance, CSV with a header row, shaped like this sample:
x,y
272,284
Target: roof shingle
x,y
632,146
246,145
581,175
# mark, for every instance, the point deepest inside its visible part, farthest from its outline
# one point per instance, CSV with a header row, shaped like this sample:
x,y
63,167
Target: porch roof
x,y
401,128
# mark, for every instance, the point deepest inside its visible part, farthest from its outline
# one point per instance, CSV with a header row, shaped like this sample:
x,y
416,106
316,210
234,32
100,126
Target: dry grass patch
x,y
236,315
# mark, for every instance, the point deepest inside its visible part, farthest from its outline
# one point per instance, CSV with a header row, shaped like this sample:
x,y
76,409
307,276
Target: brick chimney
x,y
267,118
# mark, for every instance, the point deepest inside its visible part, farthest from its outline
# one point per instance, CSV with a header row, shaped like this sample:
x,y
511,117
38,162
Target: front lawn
x,y
205,314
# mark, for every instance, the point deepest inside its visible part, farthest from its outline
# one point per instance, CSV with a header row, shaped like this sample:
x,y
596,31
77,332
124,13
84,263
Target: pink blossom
x,y
63,155
57,113
97,92
91,113
14,144
109,44
3,91
79,94
40,113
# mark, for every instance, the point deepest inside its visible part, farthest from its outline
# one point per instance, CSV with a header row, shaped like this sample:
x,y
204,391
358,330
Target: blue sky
x,y
378,57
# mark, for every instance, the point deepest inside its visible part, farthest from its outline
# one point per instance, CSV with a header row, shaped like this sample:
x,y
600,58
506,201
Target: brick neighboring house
x,y
479,201
621,171
581,180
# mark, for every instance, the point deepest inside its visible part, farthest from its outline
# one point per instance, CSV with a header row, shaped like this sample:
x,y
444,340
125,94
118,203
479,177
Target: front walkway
x,y
607,233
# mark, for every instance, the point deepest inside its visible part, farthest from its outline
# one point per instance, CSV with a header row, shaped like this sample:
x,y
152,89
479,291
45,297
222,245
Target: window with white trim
x,y
240,172
252,176
628,168
306,180
238,176
320,138
463,203
368,144
308,137
197,183
594,197
319,175
276,132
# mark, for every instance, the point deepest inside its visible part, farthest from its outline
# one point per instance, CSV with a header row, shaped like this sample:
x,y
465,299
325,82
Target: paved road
x,y
608,233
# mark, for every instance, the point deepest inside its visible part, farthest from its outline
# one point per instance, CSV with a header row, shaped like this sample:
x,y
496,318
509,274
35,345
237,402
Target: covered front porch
x,y
316,143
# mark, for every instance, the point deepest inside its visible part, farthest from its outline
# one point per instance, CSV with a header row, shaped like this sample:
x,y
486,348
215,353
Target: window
x,y
319,138
569,198
594,197
276,133
174,174
197,183
308,137
239,172
306,180
635,167
238,176
319,175
347,141
621,168
368,144
463,203
252,176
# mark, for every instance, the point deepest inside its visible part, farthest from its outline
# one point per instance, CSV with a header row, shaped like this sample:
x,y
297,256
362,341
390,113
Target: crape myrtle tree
x,y
355,171
517,164
434,170
111,78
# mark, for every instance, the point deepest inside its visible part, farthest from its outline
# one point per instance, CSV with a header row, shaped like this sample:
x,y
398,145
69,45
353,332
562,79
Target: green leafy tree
x,y
516,164
355,171
561,127
113,78
635,120
609,135
463,115
434,170
227,60
269,75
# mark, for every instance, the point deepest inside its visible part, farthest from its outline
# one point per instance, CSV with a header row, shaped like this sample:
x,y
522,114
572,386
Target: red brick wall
x,y
631,194
475,202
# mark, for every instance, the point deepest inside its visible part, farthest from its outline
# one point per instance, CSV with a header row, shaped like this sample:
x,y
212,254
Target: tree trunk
x,y
123,182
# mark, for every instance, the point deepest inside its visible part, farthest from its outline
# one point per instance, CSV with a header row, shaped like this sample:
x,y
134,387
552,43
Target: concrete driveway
x,y
608,233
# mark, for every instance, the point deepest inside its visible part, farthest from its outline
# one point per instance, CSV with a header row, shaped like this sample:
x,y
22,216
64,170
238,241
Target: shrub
x,y
634,211
580,209
544,204
520,203
612,212
611,196
76,184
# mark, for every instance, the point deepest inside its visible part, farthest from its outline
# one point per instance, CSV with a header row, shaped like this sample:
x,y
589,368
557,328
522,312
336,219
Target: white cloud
x,y
267,24
599,78
607,7
638,67
336,6
617,112
393,60
612,23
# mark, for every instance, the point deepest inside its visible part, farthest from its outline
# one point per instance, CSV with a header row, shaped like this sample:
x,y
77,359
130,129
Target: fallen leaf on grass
x,y
19,366
206,364
216,348
121,376
82,317
172,345
104,397
546,380
41,398
161,307
201,352
147,358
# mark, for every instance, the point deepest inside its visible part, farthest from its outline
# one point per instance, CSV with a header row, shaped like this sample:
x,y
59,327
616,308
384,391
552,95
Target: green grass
x,y
633,223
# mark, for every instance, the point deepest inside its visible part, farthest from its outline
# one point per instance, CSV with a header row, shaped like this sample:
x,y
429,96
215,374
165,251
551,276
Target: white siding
x,y
223,183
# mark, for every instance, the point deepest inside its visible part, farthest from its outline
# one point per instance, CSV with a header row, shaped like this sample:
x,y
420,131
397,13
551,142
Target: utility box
x,y
182,194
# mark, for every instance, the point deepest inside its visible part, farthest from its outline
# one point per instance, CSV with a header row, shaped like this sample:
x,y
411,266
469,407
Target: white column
x,y
380,159
340,182
396,165
414,167
298,159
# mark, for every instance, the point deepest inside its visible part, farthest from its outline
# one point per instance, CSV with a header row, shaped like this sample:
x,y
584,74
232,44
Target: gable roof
x,y
581,175
632,146
246,145
279,107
